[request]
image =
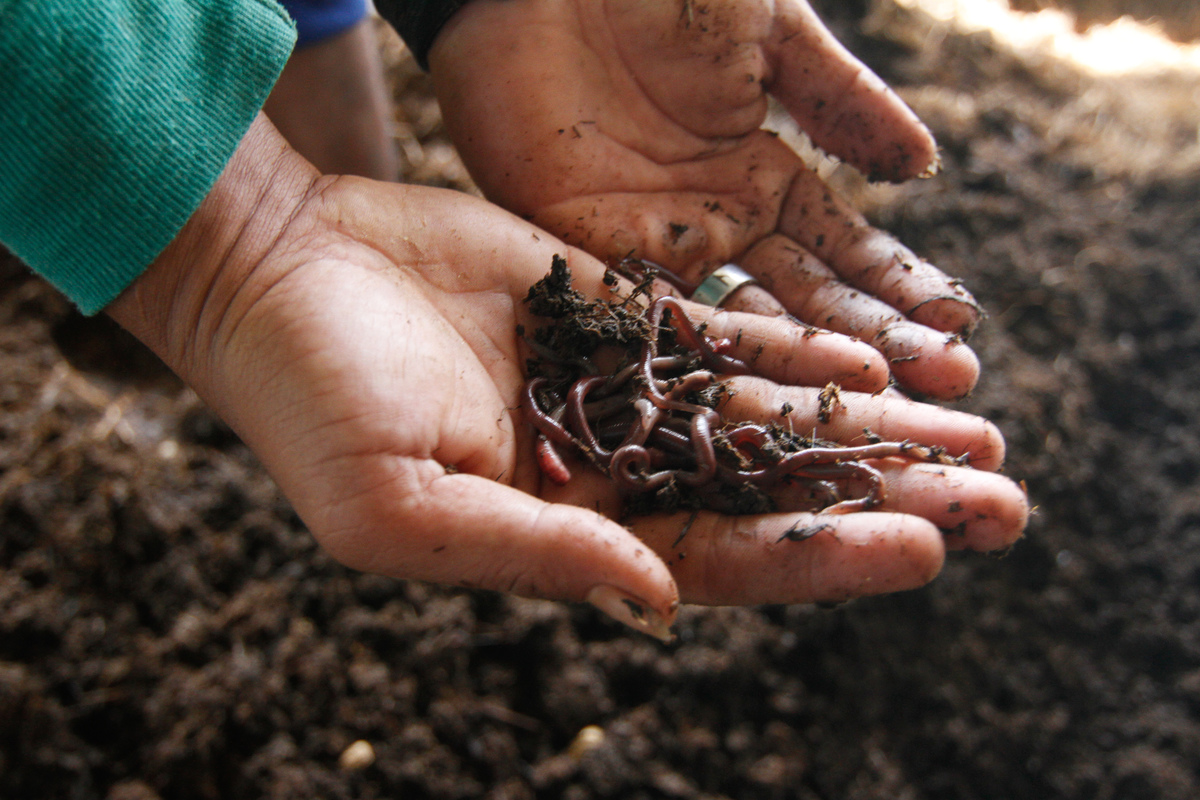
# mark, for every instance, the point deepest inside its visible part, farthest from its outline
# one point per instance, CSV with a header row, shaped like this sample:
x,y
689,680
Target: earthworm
x,y
630,469
577,414
550,461
550,431
648,425
546,423
698,341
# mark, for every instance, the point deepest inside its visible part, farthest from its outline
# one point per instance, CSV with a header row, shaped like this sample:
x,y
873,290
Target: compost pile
x,y
168,629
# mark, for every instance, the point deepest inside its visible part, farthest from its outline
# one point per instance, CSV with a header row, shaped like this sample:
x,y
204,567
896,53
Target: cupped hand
x,y
632,128
363,340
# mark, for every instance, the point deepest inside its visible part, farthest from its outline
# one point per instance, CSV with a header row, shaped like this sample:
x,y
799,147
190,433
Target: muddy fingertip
x,y
929,362
988,449
879,553
1000,515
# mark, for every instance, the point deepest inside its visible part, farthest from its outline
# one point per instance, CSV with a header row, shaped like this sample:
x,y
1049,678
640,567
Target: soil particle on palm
x,y
580,326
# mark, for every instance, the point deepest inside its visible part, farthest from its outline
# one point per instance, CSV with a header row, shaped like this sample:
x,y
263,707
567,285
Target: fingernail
x,y
631,611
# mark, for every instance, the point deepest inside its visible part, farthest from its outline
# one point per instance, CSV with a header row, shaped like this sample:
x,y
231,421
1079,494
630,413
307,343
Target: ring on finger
x,y
724,281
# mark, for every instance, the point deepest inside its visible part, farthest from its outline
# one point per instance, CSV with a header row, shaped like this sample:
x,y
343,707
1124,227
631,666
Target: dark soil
x,y
169,630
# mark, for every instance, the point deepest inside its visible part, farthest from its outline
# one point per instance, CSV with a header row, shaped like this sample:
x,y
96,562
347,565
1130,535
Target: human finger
x,y
852,418
868,259
922,359
975,510
793,558
845,108
775,347
425,523
791,353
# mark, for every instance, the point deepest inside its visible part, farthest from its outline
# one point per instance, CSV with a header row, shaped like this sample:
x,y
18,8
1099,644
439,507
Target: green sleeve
x,y
116,118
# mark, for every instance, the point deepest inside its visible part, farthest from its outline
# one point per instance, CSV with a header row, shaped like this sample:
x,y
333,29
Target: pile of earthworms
x,y
651,424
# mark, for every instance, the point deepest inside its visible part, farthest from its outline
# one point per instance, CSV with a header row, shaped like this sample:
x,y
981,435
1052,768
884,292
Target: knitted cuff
x,y
118,117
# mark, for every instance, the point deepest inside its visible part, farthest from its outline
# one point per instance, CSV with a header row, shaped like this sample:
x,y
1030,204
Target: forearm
x,y
118,117
212,269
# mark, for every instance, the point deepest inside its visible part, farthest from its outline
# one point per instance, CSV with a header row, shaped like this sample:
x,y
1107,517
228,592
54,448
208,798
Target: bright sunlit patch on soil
x,y
1123,47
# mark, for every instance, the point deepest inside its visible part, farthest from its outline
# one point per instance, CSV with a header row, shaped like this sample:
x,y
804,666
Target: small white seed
x,y
589,738
359,755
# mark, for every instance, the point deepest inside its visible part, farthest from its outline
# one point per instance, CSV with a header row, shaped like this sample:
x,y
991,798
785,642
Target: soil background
x,y
168,629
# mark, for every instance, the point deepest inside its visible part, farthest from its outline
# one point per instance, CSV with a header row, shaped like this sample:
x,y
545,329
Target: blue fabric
x,y
320,19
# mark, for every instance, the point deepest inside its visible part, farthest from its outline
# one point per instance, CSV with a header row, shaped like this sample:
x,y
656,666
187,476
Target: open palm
x,y
632,128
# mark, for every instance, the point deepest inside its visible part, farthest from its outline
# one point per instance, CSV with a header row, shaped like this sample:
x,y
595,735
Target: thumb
x,y
423,523
846,109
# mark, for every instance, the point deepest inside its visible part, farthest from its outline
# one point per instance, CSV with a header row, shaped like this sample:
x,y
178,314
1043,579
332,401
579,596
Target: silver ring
x,y
724,281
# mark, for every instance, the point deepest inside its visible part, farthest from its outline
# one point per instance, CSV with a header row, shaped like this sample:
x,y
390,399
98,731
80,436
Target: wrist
x,y
217,260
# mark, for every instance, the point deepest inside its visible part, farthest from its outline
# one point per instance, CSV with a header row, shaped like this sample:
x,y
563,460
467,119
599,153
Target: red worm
x,y
548,425
550,461
578,418
693,338
658,437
